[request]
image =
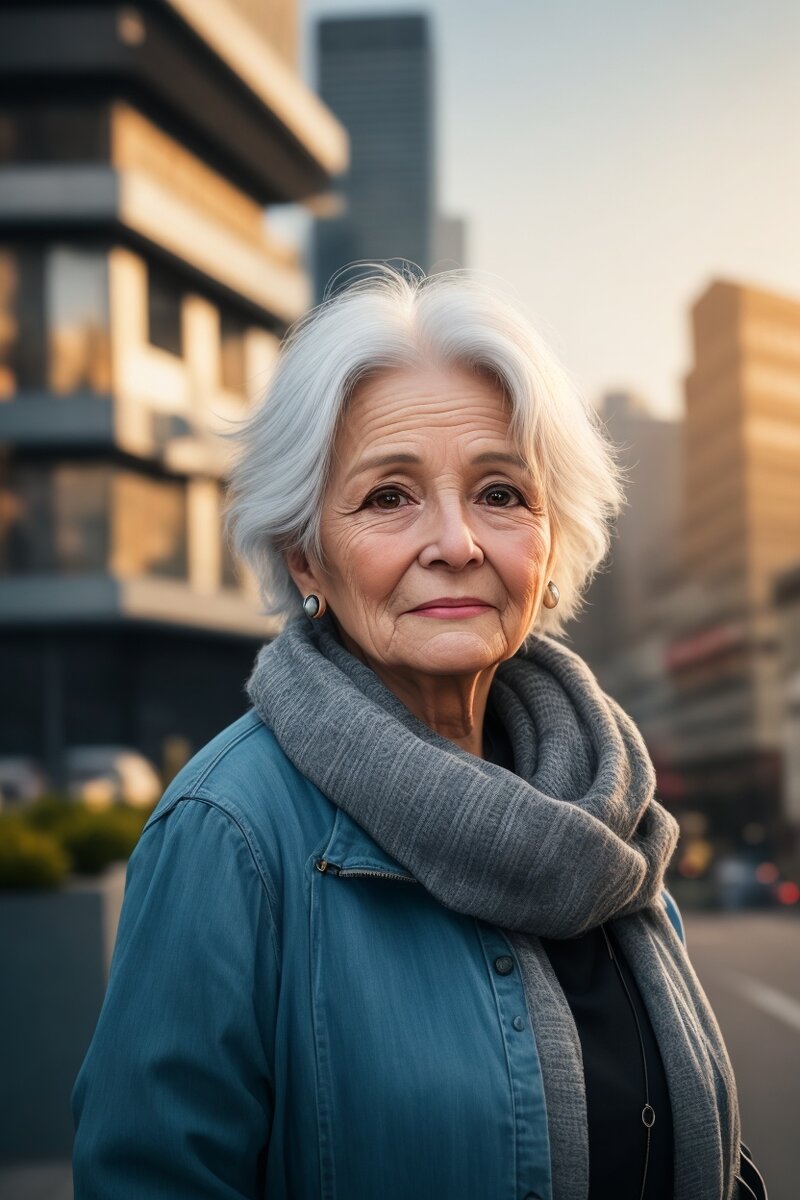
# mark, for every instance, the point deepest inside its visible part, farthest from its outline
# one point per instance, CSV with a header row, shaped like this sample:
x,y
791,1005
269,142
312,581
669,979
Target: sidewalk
x,y
37,1181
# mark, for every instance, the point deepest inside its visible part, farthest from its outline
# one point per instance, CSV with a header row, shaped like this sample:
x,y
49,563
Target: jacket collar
x,y
351,848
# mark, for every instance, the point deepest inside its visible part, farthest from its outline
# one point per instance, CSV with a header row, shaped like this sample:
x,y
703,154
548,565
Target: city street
x,y
749,965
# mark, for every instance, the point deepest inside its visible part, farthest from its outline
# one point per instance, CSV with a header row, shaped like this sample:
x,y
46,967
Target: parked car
x,y
104,775
22,782
749,879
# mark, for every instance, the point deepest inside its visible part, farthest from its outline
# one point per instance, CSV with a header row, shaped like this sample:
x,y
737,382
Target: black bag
x,y
750,1182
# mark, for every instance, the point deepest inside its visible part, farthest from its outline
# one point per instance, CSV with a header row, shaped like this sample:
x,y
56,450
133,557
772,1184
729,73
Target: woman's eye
x,y
499,495
390,495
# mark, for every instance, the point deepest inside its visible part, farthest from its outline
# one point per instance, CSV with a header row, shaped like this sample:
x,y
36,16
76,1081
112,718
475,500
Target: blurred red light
x,y
767,872
788,893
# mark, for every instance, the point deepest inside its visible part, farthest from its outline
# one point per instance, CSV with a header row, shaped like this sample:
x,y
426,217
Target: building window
x,y
54,518
149,534
79,350
22,332
164,310
81,518
43,132
233,332
54,321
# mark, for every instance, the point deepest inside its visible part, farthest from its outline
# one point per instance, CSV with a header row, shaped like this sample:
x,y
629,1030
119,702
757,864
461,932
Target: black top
x,y
612,1056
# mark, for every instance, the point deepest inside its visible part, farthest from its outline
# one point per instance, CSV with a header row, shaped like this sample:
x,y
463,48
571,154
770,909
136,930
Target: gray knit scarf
x,y
572,838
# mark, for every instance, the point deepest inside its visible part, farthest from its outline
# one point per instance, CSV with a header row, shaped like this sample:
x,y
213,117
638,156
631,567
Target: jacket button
x,y
518,1022
504,965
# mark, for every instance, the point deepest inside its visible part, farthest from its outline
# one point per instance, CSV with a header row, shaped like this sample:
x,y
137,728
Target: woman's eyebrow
x,y
389,460
381,460
490,456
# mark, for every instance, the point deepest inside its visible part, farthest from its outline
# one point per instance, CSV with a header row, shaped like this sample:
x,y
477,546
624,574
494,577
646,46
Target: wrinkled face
x,y
429,500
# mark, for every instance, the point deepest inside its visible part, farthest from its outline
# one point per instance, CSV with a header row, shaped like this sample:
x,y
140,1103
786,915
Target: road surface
x,y
749,966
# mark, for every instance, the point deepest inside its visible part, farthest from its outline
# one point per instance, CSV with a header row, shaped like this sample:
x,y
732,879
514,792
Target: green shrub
x,y
95,838
46,813
39,845
29,859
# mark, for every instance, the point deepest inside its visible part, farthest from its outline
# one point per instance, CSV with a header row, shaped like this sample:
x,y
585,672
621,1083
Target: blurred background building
x,y
142,299
739,530
621,616
692,624
376,73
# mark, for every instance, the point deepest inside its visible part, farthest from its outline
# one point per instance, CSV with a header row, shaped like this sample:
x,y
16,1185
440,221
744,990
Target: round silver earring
x,y
313,606
551,595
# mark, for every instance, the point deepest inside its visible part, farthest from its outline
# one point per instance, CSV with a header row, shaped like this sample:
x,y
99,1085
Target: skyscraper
x,y
142,298
740,528
621,632
376,75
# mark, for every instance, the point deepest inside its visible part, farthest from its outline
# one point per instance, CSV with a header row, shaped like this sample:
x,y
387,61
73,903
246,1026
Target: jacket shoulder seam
x,y
221,753
229,812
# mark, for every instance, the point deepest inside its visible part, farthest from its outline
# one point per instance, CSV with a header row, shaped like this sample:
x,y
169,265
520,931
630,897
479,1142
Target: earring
x,y
551,595
314,606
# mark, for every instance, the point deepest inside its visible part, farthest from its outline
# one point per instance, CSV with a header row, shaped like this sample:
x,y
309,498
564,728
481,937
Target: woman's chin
x,y
455,652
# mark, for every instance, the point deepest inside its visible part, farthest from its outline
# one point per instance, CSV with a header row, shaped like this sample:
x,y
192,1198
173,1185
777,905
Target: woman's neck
x,y
454,706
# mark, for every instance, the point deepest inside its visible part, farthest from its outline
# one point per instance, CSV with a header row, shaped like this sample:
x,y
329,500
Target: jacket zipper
x,y
323,864
648,1112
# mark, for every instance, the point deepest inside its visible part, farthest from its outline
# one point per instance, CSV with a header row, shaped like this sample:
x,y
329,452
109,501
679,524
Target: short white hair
x,y
392,318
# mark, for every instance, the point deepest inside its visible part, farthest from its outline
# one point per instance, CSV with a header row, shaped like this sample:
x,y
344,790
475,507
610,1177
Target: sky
x,y
612,159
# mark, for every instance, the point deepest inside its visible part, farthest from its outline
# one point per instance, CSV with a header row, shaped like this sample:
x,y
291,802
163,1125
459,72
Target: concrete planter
x,y
55,951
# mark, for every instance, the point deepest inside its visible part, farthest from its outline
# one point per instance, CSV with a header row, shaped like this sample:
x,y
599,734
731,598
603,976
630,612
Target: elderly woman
x,y
401,930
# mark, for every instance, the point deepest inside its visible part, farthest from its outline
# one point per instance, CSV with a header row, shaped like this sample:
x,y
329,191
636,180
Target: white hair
x,y
276,484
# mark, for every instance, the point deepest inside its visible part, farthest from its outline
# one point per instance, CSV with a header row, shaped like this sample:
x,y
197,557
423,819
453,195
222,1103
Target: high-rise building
x,y
451,243
740,527
142,298
376,74
621,631
619,600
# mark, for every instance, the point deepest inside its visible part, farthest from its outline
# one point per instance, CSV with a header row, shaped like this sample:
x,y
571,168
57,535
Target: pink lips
x,y
452,607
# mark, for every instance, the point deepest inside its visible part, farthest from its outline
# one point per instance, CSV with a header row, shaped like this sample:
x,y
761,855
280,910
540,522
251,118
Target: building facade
x,y
376,75
740,528
623,632
451,243
142,300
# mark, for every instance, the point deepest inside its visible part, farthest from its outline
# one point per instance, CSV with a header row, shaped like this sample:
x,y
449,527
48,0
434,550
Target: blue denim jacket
x,y
278,1027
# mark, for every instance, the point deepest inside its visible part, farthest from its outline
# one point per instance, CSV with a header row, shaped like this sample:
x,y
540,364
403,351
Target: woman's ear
x,y
305,574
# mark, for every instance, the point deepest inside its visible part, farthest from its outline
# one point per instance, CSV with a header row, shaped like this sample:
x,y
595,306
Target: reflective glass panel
x,y
233,329
23,357
164,305
43,131
149,535
77,321
54,517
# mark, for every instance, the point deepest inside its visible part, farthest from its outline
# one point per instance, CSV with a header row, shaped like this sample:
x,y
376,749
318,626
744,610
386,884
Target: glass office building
x,y
142,299
376,75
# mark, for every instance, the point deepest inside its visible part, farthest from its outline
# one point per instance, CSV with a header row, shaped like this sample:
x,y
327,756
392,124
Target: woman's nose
x,y
449,536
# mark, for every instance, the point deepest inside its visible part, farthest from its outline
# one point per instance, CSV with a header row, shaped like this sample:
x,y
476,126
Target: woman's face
x,y
429,499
